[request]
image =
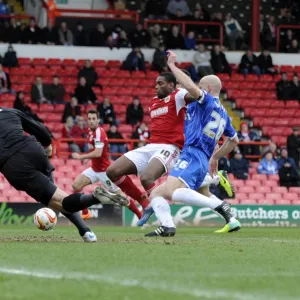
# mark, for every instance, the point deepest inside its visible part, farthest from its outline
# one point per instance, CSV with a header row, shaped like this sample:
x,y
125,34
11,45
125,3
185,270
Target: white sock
x,y
162,211
188,196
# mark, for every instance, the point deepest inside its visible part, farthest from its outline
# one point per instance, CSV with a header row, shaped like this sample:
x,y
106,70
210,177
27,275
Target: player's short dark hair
x,y
186,72
93,112
169,77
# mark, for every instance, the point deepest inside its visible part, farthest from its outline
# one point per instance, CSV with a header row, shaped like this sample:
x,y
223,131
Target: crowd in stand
x,y
236,37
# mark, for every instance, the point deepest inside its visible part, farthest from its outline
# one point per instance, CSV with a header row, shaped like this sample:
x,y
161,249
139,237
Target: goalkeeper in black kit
x,y
24,163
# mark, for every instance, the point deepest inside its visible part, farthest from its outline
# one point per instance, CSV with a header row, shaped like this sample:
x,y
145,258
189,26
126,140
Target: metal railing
x,y
58,152
184,25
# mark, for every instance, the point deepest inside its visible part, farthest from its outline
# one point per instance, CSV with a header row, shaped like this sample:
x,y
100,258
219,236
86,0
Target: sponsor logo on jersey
x,y
167,99
159,112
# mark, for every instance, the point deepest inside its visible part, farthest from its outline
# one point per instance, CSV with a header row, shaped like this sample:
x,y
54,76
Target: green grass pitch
x,y
259,263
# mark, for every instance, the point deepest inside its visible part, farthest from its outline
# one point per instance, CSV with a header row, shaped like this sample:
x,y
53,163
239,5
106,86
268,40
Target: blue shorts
x,y
192,167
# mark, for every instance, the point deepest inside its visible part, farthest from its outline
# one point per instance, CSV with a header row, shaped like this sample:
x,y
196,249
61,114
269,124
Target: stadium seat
x,y
294,190
125,128
39,61
246,189
248,202
254,183
283,202
279,189
234,201
266,202
273,177
256,196
24,61
116,64
69,63
273,196
263,189
261,177
291,196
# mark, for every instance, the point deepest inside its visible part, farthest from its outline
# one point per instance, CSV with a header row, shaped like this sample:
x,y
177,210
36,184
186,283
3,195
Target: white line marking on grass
x,y
159,285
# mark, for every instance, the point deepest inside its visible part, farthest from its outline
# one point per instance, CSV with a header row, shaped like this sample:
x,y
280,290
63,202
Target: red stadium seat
x,y
256,196
152,74
291,196
241,196
279,140
286,68
46,108
39,62
99,63
54,62
248,202
253,183
69,63
266,78
287,113
291,104
24,61
234,201
125,128
246,189
251,77
263,189
295,190
266,202
59,108
116,64
279,189
261,177
273,196
237,77
296,202
138,74
283,202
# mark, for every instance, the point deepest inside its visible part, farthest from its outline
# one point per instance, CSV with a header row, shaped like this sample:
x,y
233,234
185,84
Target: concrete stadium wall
x,y
46,51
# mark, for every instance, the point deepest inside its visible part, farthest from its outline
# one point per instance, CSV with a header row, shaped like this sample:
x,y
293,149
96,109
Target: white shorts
x,y
208,180
167,154
100,177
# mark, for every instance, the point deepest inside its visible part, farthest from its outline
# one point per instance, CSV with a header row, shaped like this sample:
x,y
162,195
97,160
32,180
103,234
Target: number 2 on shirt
x,y
218,123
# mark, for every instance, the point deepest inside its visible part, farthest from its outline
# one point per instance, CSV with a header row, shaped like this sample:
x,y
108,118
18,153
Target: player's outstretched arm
x,y
94,154
224,150
40,131
194,91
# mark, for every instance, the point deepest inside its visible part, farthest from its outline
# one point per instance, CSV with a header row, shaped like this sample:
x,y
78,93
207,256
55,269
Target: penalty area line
x,y
129,282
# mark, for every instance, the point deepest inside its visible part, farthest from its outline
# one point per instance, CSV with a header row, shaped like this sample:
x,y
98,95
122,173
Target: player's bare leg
x,y
79,183
117,172
177,191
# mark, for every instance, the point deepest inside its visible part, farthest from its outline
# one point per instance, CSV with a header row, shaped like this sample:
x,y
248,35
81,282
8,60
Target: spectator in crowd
x,y
224,164
245,135
4,9
13,33
39,91
155,10
157,37
32,33
135,112
248,64
123,41
119,5
22,29
295,88
204,14
175,5
106,112
159,59
80,35
84,93
50,34
190,41
283,87
286,42
65,35
72,109
233,30
56,91
98,36
21,105
5,84
293,146
89,73
287,18
271,148
201,61
219,62
294,48
174,39
239,166
265,63
135,61
141,133
140,37
288,175
178,16
79,130
115,147
269,33
66,133
110,42
215,30
10,59
268,165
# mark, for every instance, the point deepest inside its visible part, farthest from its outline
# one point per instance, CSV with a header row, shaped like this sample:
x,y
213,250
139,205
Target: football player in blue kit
x,y
206,121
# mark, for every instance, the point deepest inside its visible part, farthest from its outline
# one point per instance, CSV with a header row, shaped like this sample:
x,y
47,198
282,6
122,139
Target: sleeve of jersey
x,y
99,141
180,100
229,130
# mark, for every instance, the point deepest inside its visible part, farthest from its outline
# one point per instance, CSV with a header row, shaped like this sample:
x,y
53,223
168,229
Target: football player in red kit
x,y
167,111
99,156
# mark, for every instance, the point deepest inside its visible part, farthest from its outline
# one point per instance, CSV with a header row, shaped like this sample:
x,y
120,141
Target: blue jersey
x,y
206,121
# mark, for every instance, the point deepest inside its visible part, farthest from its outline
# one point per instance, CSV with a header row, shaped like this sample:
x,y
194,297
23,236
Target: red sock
x,y
150,188
129,188
85,211
132,206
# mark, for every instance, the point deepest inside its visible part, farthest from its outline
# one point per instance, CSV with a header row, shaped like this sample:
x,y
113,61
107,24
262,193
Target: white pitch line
x,y
159,285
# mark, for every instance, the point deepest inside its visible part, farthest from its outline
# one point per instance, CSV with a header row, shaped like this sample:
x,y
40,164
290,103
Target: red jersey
x,y
98,139
167,119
